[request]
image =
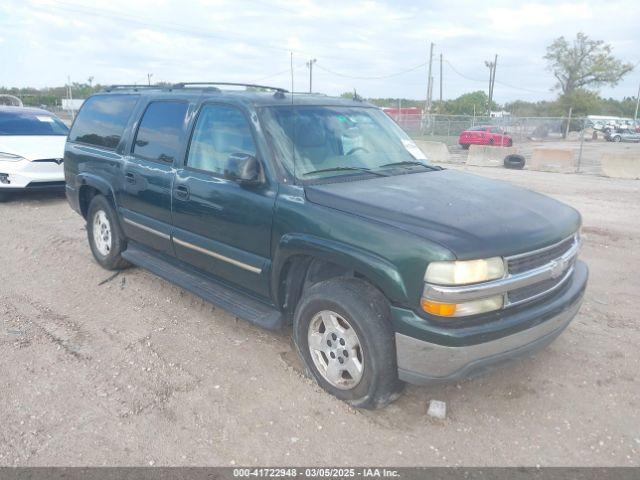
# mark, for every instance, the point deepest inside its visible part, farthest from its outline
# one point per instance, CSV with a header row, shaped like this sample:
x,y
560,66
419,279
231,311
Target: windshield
x,y
30,123
335,141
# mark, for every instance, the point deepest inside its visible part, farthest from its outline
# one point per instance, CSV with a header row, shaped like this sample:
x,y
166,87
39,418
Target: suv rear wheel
x,y
106,239
342,332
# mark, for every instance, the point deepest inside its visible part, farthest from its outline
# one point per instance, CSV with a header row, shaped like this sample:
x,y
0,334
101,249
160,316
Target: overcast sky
x,y
44,41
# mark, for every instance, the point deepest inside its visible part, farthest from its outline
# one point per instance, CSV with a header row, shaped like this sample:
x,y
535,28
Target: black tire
x,y
491,142
112,260
510,143
367,312
514,161
4,196
465,146
617,138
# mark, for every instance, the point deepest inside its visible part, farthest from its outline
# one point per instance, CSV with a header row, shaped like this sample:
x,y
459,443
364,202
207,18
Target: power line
x,y
378,77
462,74
281,72
521,88
497,81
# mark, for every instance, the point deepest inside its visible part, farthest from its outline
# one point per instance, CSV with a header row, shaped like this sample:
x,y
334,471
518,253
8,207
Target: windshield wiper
x,y
411,163
340,169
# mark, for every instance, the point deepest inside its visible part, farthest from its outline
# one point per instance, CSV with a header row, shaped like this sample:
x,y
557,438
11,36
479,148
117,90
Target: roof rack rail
x,y
228,84
134,87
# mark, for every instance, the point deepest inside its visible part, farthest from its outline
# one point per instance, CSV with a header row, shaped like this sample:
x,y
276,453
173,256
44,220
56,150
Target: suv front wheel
x,y
106,239
342,332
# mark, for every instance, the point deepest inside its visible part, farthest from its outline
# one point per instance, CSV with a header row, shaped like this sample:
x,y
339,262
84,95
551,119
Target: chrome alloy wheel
x,y
102,232
336,350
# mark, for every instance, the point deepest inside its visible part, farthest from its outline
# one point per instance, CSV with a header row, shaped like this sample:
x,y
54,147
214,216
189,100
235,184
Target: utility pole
x,y
492,79
73,114
429,81
149,75
635,116
440,104
310,66
566,130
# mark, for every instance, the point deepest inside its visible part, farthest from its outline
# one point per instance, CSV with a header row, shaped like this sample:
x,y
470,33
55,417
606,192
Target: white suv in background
x,y
31,150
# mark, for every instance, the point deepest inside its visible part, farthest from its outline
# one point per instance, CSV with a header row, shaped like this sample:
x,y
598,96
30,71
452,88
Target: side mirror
x,y
243,169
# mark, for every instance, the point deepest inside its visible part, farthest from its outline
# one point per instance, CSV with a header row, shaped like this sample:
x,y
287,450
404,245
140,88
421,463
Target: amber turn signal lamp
x,y
440,309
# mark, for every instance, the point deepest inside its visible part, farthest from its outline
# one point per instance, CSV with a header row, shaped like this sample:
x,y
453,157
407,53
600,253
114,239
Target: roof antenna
x,y
293,136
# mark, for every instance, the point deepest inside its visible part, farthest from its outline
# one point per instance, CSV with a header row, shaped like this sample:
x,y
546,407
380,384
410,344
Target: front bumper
x,y
24,174
529,330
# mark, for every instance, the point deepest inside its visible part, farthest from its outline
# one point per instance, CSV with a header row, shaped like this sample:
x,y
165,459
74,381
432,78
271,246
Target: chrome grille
x,y
528,261
562,255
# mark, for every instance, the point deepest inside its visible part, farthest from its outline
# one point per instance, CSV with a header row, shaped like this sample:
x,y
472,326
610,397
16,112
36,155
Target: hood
x,y
33,147
472,216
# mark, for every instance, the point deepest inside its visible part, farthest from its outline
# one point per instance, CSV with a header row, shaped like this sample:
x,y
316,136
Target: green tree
x,y
582,102
464,104
583,62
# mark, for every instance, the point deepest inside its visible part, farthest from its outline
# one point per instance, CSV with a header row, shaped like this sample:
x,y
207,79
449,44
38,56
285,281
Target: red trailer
x,y
408,118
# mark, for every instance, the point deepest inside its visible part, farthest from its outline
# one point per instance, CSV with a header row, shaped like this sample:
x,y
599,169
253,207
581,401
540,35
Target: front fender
x,y
379,271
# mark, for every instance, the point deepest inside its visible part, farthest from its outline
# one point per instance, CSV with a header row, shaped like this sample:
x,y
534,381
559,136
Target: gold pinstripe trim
x,y
147,229
242,265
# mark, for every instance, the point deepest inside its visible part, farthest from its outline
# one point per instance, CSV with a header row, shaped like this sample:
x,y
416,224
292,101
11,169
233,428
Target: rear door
x,y
149,172
221,227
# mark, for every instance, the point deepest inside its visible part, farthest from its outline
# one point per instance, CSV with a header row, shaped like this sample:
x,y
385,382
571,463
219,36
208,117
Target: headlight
x,y
459,273
10,157
464,272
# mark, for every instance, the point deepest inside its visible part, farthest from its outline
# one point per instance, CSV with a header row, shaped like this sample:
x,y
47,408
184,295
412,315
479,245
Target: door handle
x,y
182,192
130,177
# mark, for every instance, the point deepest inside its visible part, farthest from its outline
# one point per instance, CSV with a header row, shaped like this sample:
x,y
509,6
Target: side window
x,y
219,132
102,120
158,136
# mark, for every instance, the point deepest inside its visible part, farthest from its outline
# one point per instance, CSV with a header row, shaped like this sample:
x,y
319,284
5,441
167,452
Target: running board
x,y
238,304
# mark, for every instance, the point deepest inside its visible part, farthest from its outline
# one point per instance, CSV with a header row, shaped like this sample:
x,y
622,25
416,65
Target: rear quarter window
x,y
102,120
160,131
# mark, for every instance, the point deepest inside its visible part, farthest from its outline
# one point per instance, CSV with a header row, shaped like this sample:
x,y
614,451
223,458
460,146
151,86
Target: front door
x,y
221,227
149,173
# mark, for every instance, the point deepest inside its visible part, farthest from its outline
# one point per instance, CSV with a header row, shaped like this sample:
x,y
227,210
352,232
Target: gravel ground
x,y
130,370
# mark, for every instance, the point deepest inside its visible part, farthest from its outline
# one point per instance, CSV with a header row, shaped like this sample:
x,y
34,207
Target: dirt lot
x,y
134,371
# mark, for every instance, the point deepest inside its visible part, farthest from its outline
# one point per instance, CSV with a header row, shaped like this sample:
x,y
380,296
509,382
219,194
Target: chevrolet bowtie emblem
x,y
557,267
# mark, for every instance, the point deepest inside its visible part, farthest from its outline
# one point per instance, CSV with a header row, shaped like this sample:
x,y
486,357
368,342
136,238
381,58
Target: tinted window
x,y
477,129
159,133
219,132
102,119
21,122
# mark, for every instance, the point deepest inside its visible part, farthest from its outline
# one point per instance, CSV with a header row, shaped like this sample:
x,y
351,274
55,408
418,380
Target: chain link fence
x,y
447,128
584,138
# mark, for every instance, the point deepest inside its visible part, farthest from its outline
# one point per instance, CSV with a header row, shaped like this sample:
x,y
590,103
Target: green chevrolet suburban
x,y
321,214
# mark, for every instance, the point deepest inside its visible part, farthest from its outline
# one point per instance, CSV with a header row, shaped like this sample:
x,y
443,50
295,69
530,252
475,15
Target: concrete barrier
x,y
559,160
621,165
486,156
436,152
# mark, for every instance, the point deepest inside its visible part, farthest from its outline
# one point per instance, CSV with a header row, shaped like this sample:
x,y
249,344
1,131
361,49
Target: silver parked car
x,y
623,136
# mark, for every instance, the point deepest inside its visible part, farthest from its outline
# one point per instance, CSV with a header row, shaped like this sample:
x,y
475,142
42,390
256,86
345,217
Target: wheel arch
x,y
89,187
304,260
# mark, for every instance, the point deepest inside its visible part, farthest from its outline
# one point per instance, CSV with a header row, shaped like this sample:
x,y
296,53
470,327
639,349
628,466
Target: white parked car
x,y
31,149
